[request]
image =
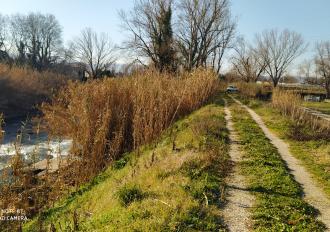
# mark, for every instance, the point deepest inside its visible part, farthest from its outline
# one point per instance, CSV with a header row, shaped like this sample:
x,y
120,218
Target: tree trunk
x,y
275,82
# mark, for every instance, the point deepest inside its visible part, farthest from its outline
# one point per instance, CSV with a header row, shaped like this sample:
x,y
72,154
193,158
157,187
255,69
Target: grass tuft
x,y
128,194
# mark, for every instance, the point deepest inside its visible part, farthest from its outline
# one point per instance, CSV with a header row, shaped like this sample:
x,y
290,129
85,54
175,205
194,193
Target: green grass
x,y
313,153
323,107
175,184
279,205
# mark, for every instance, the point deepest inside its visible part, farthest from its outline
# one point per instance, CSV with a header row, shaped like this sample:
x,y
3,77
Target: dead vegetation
x,y
254,90
22,88
306,125
106,118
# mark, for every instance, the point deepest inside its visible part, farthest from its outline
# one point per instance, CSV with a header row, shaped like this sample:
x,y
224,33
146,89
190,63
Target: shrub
x,y
121,163
304,133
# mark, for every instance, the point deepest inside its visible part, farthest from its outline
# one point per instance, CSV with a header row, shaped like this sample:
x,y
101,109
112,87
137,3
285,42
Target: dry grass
x,y
290,104
254,90
106,118
22,88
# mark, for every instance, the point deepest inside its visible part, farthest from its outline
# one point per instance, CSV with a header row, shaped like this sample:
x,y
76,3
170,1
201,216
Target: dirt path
x,y
312,193
239,200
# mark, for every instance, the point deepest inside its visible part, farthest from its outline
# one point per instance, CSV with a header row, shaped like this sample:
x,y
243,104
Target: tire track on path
x,y
239,201
312,193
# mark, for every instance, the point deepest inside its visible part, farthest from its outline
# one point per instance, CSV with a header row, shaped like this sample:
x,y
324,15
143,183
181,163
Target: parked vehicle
x,y
231,89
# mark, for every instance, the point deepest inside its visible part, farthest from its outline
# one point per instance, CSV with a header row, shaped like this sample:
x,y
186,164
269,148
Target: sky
x,y
311,18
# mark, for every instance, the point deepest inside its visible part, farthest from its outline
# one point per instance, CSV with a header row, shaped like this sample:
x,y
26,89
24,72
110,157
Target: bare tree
x,y
305,69
150,27
279,50
50,40
94,50
37,38
322,62
19,38
3,32
205,30
308,73
4,39
246,62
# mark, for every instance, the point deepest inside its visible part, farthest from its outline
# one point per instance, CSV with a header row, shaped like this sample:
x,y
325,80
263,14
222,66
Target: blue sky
x,y
311,18
74,15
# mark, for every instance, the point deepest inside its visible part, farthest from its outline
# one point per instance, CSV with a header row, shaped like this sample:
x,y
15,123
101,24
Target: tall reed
x,y
253,90
22,88
290,104
106,118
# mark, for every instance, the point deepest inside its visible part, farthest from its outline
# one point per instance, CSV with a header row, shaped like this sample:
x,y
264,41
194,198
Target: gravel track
x,y
239,200
313,194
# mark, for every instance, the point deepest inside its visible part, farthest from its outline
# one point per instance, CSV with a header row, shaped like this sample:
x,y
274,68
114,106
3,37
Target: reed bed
x,y
254,90
22,88
106,118
290,104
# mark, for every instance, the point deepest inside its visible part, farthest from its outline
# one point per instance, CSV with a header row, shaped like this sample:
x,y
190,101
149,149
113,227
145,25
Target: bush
x,y
304,133
121,163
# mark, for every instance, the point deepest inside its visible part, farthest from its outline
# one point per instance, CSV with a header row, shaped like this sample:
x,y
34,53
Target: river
x,y
20,137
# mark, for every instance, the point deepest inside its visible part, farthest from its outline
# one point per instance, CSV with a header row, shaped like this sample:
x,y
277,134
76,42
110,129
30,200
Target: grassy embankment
x,y
279,204
175,184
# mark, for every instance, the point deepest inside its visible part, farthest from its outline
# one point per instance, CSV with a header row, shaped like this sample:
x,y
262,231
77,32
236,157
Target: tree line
x,y
35,40
273,52
170,35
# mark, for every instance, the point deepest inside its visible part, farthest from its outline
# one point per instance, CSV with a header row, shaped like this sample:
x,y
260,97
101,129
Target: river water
x,y
20,137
